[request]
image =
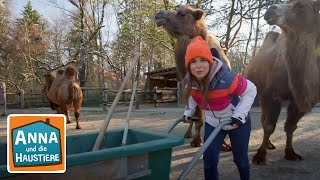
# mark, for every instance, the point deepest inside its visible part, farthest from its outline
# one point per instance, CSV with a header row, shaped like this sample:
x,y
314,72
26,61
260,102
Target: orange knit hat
x,y
198,48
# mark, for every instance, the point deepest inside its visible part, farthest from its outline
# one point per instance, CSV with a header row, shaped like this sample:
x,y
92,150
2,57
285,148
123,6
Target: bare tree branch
x,y
237,31
74,3
108,60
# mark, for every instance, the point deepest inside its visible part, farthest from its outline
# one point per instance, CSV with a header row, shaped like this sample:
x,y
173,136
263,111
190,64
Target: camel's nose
x,y
159,15
272,7
270,12
160,18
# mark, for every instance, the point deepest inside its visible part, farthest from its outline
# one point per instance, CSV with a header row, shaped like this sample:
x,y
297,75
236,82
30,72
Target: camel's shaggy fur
x,y
287,69
63,93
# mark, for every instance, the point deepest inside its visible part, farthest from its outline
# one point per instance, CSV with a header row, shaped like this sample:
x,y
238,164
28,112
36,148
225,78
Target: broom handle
x,y
205,146
126,128
105,125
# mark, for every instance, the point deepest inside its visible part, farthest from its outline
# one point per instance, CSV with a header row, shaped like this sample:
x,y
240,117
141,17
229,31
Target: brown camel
x,y
184,24
287,69
63,93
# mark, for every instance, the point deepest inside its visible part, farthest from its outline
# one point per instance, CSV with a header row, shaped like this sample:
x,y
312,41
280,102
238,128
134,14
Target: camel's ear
x,y
198,14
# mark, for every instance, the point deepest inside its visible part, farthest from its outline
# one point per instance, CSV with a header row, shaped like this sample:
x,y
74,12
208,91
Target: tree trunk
x,y
99,59
248,42
166,7
228,34
82,69
257,31
140,52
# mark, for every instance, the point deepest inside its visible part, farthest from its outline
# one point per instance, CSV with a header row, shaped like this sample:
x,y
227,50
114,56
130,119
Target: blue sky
x,y
50,12
42,6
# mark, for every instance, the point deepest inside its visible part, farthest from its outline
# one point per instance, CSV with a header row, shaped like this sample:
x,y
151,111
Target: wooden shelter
x,y
163,78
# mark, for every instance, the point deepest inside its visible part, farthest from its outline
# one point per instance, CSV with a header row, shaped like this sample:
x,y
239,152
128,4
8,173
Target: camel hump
x,y
270,40
70,73
273,35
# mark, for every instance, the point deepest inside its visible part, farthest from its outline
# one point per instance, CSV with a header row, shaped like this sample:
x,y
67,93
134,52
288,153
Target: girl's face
x,y
199,68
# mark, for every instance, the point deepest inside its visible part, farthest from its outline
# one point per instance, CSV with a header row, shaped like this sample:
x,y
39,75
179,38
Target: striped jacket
x,y
229,95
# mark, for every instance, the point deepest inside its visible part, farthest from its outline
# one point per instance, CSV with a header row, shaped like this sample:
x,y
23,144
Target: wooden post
x,y
178,93
21,99
3,101
125,97
137,100
105,125
155,96
148,83
105,100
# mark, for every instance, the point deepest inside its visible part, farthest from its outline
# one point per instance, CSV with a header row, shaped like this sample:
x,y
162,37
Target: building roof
x,y
166,73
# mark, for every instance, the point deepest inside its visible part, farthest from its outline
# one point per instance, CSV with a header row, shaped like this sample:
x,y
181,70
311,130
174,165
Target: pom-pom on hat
x,y
198,48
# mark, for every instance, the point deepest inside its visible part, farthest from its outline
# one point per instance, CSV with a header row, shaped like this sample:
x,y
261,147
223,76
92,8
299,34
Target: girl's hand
x,y
236,122
230,127
187,119
234,125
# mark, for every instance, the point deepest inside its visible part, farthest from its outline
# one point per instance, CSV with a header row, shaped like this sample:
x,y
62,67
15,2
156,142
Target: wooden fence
x,y
93,97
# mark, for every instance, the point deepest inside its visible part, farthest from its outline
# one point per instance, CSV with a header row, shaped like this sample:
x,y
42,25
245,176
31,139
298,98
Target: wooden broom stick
x,y
105,125
126,127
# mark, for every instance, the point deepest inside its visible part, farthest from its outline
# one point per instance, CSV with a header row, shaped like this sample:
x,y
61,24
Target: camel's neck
x,y
180,52
200,30
303,68
49,83
202,33
301,48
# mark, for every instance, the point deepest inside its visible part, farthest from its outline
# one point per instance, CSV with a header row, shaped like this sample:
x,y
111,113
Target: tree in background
x,y
24,43
137,26
103,58
8,68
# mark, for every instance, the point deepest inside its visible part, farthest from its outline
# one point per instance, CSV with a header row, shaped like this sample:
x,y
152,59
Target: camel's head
x,y
70,73
48,79
295,16
185,21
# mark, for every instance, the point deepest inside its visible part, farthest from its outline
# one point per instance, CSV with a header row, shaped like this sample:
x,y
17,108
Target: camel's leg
x,y
270,145
290,126
77,109
59,111
188,133
270,112
53,106
197,139
67,113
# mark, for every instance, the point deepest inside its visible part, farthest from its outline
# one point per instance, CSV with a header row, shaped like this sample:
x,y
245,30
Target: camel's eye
x,y
180,13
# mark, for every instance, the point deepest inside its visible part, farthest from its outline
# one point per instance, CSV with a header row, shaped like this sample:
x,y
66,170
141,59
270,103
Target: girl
x,y
223,95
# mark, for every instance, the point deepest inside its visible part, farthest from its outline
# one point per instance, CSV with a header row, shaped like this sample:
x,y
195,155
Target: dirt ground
x,y
306,141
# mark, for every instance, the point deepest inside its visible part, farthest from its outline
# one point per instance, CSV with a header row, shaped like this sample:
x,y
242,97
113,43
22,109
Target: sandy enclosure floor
x,y
306,141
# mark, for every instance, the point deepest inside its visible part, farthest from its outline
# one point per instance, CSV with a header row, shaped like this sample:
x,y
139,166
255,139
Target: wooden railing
x,y
94,97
